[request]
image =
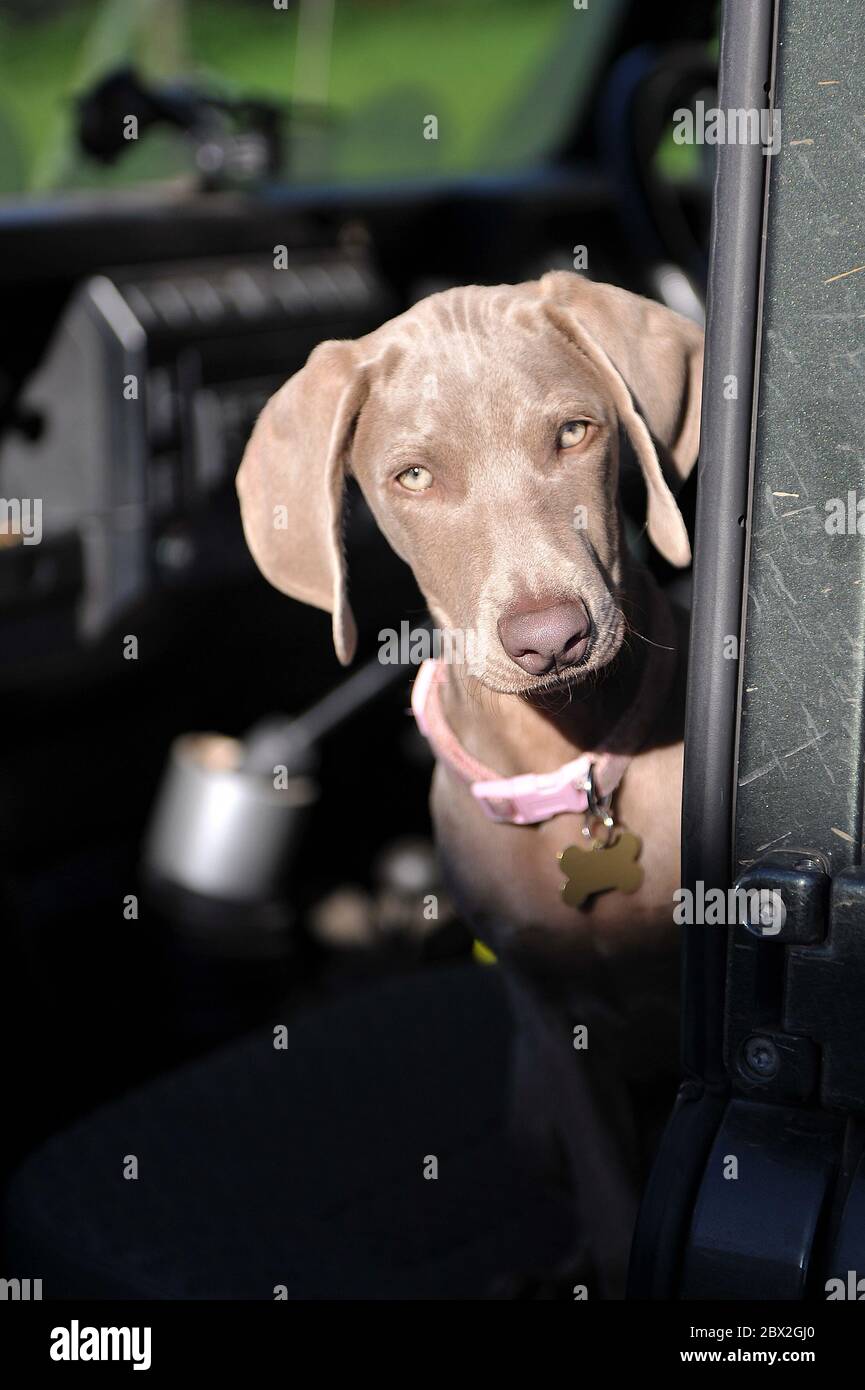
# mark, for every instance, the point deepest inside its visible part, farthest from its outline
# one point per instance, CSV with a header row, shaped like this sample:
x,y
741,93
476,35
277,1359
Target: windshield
x,y
362,88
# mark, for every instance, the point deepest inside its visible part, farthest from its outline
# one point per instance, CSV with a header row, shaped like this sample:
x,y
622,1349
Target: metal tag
x,y
601,869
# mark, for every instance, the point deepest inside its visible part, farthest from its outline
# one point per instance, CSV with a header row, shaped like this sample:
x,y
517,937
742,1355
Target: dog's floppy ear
x,y
291,484
652,361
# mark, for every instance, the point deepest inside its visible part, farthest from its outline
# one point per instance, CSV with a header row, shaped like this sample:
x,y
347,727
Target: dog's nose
x,y
547,637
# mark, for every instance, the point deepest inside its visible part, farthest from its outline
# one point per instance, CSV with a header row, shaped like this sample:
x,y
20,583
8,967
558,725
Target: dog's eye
x,y
415,479
571,434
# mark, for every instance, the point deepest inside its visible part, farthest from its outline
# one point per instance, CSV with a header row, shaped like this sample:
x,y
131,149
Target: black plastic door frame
x,y
732,336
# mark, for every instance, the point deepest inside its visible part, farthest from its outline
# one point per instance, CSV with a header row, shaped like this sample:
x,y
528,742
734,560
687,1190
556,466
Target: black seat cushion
x,y
302,1167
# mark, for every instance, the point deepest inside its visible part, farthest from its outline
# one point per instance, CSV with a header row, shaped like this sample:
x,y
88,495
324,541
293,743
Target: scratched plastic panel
x,y
801,732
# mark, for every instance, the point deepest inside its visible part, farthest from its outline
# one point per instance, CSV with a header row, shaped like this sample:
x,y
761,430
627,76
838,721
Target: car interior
x,y
247,1002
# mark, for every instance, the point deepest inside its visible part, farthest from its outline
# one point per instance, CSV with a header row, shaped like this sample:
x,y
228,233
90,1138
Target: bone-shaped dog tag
x,y
601,868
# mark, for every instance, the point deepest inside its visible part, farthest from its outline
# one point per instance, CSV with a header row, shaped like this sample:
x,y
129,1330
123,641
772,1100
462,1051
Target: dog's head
x,y
483,428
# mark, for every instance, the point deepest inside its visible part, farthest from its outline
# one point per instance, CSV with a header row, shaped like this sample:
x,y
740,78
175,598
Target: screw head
x,y
761,1058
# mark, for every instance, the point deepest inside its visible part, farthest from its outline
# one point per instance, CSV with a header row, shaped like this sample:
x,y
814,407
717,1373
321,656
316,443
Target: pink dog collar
x,y
524,800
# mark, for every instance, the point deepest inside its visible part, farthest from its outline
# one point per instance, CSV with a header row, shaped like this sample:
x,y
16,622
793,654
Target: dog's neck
x,y
631,700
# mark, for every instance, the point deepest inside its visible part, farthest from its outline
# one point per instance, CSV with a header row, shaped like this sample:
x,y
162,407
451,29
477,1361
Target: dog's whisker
x,y
661,646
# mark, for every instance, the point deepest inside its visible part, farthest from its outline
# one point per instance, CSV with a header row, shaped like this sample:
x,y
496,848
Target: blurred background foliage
x,y
499,75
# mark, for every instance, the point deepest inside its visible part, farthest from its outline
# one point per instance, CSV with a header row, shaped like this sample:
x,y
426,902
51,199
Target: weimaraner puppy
x,y
484,427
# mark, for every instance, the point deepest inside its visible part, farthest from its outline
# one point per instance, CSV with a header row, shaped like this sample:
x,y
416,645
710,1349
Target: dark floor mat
x,y
304,1167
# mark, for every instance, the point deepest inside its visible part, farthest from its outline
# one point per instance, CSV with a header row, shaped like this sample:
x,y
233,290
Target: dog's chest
x,y
509,881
